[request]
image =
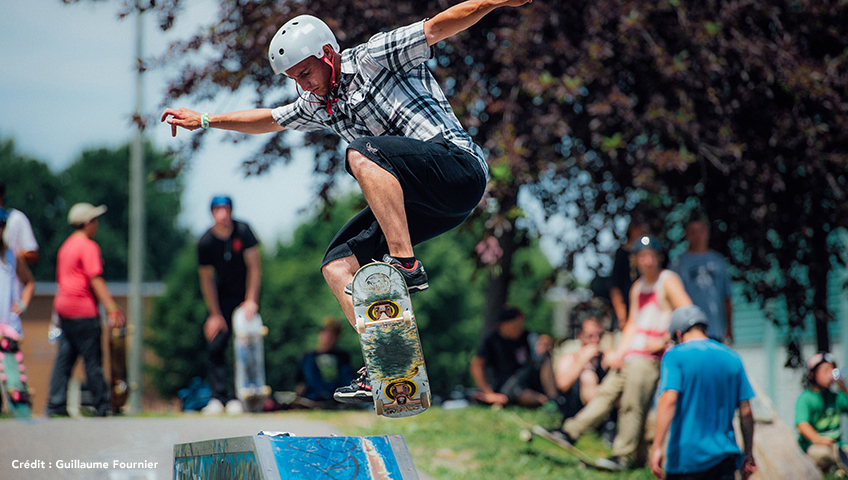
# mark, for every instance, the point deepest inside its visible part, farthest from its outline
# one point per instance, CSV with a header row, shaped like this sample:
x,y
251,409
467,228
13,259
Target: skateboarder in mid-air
x,y
418,168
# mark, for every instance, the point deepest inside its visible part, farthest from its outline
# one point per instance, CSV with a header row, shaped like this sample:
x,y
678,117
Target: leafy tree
x,y
101,176
97,176
33,189
737,108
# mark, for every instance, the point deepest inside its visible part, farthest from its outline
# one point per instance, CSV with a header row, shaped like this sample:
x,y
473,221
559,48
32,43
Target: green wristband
x,y
204,120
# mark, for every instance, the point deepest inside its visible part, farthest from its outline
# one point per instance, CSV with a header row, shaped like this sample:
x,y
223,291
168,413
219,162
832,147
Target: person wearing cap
x,y
13,271
819,410
702,383
635,362
230,277
705,277
419,170
80,289
513,366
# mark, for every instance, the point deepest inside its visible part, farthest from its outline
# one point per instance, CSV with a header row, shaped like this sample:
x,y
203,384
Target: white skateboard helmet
x,y
301,37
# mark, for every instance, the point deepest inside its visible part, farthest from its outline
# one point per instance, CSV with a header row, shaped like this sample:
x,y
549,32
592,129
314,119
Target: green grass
x,y
478,443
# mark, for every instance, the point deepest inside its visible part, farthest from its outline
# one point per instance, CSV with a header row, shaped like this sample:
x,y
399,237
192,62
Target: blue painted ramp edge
x,y
264,457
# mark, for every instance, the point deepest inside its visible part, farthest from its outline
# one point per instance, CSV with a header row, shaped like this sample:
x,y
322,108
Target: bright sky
x,y
67,84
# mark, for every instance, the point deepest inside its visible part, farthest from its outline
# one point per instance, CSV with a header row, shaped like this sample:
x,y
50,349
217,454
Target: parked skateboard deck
x,y
391,346
13,379
529,432
118,368
249,350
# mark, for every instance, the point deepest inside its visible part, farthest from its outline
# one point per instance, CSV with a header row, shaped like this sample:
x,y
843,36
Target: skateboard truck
x,y
406,319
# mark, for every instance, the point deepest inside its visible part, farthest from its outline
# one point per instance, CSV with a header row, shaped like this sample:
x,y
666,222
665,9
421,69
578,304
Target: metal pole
x,y
136,239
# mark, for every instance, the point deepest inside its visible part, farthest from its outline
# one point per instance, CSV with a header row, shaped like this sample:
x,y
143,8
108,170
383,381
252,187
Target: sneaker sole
x,y
418,288
355,398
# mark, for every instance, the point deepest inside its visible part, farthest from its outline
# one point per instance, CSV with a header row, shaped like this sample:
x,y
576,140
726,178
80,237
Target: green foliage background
x,y
295,301
98,176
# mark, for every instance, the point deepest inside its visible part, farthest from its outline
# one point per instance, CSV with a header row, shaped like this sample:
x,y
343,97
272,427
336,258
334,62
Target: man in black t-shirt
x,y
230,275
512,365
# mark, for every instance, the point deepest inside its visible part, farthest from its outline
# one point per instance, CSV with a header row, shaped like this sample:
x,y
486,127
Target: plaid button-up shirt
x,y
385,89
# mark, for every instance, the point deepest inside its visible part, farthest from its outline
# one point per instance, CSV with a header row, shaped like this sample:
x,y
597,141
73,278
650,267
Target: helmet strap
x,y
334,82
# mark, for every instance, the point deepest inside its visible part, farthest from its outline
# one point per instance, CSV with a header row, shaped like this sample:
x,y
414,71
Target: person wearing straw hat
x,y
81,289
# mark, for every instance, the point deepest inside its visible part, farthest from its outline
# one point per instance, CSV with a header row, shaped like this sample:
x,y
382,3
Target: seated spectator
x,y
326,368
513,365
819,410
578,373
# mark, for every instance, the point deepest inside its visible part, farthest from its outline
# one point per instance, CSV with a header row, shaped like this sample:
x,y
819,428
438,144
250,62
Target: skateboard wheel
x,y
407,318
525,435
264,330
266,391
360,325
378,406
425,397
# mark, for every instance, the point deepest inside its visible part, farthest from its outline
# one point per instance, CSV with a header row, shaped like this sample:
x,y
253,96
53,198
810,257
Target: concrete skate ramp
x,y
273,456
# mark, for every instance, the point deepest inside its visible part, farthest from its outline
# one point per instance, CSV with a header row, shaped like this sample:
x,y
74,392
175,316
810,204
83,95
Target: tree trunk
x,y
500,276
819,266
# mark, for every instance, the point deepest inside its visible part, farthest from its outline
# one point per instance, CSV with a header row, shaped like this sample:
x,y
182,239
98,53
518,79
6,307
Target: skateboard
x,y
391,346
249,350
118,368
13,379
530,431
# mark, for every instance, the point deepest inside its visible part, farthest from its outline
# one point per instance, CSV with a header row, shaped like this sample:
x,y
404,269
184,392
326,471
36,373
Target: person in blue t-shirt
x,y
702,383
705,277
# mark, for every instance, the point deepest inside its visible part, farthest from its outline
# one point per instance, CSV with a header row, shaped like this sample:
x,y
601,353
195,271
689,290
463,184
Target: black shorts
x,y
724,470
441,186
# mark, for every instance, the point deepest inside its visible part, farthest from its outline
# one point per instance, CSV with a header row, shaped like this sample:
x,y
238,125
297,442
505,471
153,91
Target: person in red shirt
x,y
80,288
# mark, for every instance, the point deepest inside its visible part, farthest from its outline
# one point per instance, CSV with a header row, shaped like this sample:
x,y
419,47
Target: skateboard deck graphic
x,y
530,431
391,346
13,380
118,368
249,350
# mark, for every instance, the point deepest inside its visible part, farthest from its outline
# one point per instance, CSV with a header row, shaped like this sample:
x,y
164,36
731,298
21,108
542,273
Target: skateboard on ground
x,y
249,350
530,431
13,379
391,346
118,368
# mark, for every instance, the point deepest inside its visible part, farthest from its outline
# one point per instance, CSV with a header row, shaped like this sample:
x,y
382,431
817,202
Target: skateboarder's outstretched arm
x,y
247,121
461,16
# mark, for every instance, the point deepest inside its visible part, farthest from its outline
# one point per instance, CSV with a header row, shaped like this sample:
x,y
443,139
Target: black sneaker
x,y
560,435
415,277
614,464
359,390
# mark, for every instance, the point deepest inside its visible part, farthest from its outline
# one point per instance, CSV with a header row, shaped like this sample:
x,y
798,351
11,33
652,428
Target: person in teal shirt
x,y
819,409
703,383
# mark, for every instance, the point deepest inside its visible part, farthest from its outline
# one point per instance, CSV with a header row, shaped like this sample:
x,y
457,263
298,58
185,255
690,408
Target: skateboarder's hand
x,y
214,325
181,117
249,307
657,463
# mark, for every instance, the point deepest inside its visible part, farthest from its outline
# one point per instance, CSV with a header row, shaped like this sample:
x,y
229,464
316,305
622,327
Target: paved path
x,y
145,441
